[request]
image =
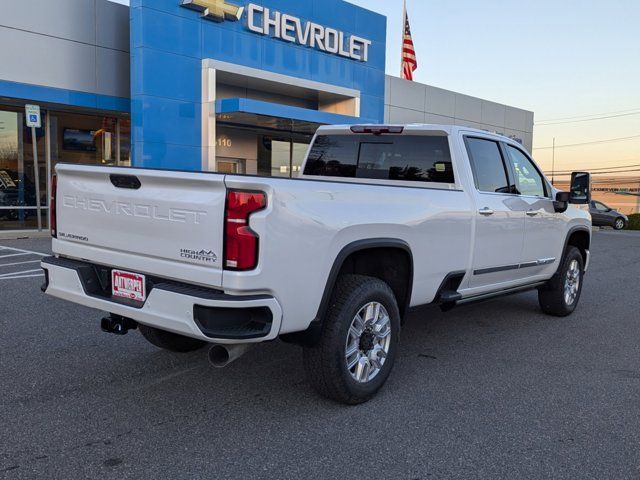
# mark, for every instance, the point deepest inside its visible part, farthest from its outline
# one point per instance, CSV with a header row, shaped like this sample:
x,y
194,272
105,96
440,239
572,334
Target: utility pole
x,y
553,162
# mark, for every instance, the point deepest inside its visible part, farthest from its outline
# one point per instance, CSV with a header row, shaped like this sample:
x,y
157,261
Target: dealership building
x,y
234,87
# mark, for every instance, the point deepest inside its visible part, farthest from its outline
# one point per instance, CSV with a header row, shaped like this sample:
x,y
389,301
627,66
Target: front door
x,y
500,218
544,229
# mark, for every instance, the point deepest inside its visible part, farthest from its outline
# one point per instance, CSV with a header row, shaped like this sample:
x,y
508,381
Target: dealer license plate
x,y
128,285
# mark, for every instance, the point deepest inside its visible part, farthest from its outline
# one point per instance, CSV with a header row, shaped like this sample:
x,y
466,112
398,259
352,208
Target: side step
x,y
500,293
448,300
448,296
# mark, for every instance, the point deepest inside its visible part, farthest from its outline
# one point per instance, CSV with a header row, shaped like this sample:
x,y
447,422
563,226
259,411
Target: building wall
x,y
73,52
412,102
170,42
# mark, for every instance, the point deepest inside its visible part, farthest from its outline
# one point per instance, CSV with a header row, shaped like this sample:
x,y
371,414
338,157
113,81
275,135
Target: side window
x,y
600,206
527,178
488,167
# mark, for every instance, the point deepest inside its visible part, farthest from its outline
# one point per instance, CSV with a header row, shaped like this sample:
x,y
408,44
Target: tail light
x,y
241,243
52,207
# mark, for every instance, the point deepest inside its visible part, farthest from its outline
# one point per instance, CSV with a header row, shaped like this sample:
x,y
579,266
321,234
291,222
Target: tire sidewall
x,y
372,291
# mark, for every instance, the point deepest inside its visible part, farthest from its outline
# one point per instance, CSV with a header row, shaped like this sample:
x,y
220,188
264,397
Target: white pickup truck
x,y
382,219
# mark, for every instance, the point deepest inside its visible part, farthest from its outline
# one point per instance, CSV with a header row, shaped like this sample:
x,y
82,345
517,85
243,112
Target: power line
x,y
564,122
610,179
588,116
600,168
610,140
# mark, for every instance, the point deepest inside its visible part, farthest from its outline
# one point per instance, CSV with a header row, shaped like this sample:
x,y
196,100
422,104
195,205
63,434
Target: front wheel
x,y
359,340
619,224
560,296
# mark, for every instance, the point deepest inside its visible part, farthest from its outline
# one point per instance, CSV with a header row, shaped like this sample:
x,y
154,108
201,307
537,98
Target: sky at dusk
x,y
572,58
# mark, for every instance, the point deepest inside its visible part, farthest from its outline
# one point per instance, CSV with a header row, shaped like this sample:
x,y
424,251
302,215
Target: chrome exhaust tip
x,y
222,355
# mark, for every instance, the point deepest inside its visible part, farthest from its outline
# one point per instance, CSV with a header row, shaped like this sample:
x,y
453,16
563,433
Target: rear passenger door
x,y
544,231
500,216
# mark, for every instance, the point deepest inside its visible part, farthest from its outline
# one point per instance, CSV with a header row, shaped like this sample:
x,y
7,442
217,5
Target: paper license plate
x,y
128,285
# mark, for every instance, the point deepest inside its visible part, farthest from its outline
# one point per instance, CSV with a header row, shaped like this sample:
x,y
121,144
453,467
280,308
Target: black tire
x,y
170,341
552,298
325,363
619,224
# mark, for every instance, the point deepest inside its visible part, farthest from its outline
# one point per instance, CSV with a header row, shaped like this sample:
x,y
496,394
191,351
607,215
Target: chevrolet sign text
x,y
291,29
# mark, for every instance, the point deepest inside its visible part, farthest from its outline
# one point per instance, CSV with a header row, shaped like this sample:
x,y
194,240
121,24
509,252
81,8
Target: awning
x,y
242,111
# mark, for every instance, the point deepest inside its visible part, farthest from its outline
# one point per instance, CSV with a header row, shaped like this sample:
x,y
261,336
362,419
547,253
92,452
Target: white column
x,y
208,118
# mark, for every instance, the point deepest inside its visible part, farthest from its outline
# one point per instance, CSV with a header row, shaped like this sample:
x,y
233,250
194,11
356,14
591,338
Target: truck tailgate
x,y
164,223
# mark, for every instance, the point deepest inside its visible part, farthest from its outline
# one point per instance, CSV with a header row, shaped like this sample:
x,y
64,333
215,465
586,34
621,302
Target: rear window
x,y
387,157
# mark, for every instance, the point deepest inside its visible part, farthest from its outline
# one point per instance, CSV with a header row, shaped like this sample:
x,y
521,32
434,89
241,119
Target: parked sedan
x,y
604,216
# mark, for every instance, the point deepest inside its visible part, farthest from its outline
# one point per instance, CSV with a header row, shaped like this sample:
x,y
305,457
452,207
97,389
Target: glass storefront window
x,y
87,139
125,142
281,157
18,191
73,138
298,154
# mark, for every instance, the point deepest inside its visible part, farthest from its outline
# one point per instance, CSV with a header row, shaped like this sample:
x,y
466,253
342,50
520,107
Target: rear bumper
x,y
192,311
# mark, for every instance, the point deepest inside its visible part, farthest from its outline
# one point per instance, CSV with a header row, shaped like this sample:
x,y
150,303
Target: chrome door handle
x,y
486,211
532,213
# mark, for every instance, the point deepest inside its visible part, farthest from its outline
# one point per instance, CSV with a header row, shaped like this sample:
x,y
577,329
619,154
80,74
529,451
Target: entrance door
x,y
500,217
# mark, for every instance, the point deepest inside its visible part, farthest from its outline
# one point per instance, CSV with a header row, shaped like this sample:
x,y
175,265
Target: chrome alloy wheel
x,y
572,283
619,224
368,342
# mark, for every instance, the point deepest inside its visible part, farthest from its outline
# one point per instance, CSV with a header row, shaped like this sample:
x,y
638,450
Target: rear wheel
x,y
170,341
619,224
359,340
560,296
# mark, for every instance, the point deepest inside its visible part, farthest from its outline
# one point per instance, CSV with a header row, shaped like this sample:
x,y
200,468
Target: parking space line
x,y
17,277
19,263
24,251
14,255
4,275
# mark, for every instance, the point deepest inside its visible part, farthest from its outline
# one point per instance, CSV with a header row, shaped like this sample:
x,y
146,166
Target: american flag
x,y
409,62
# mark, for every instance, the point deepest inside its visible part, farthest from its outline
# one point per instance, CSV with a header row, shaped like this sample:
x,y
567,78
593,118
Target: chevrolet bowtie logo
x,y
217,10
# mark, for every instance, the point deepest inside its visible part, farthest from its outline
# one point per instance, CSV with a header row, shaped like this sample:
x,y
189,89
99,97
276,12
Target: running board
x,y
499,293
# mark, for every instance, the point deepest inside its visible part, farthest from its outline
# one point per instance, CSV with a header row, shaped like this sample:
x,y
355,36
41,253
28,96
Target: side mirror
x,y
580,192
562,202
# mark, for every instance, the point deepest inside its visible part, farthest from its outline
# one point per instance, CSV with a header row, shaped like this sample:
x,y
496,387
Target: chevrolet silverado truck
x,y
382,218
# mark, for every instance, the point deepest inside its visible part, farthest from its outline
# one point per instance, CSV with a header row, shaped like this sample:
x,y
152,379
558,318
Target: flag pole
x,y
404,25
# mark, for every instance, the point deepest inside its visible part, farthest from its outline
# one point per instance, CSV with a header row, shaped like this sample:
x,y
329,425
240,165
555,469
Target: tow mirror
x,y
562,202
580,192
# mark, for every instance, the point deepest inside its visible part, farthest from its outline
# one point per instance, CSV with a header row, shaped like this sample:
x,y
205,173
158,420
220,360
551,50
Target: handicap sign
x,y
33,116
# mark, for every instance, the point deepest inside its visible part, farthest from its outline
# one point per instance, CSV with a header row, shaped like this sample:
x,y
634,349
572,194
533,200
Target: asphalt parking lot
x,y
496,390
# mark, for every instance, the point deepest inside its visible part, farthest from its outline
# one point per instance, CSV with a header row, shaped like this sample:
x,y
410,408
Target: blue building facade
x,y
280,66
233,86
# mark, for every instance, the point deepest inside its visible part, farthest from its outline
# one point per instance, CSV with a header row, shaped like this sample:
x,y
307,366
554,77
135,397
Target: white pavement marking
x,y
24,273
13,274
24,251
19,263
14,255
21,276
